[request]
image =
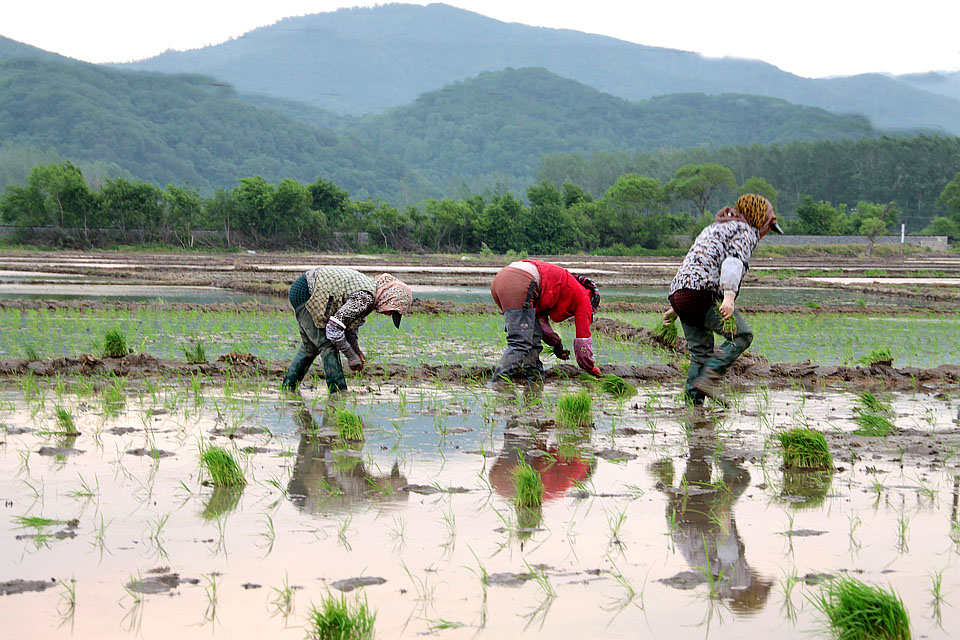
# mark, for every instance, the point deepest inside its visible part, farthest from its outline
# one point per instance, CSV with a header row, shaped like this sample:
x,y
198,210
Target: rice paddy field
x,y
199,500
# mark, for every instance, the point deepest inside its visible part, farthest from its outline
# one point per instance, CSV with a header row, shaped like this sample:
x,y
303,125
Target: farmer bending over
x,y
331,303
530,294
710,274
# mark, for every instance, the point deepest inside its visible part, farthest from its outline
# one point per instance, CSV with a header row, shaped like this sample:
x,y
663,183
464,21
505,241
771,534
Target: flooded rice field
x,y
111,527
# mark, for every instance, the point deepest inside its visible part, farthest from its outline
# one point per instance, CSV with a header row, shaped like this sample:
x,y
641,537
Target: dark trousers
x,y
516,293
703,359
312,344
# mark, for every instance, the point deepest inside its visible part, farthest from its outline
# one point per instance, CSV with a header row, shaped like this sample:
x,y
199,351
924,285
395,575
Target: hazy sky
x,y
811,38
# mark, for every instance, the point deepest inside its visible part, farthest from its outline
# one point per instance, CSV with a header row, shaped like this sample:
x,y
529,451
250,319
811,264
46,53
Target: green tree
x,y
625,205
500,224
698,183
942,226
816,218
760,187
548,226
131,207
872,227
183,210
334,202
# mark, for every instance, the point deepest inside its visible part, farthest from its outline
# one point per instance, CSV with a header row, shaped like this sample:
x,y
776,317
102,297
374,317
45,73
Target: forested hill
x,y
167,129
13,49
364,60
499,124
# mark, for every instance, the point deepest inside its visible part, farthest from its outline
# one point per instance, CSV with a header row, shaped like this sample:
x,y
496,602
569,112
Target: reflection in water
x,y
330,476
561,463
805,489
701,520
223,500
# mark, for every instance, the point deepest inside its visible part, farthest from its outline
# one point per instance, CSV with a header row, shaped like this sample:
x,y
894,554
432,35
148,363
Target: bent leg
x,y
700,346
520,326
306,354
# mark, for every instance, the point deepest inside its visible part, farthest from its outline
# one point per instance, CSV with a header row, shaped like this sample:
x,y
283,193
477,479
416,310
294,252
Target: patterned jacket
x,y
341,293
718,259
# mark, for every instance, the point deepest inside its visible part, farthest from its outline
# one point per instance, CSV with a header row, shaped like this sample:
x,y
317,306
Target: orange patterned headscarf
x,y
753,208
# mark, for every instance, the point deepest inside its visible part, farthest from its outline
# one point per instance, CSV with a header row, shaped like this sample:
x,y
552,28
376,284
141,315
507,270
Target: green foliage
x,y
873,425
760,187
698,183
529,486
804,448
64,420
349,425
878,355
858,611
114,344
667,332
195,354
223,468
574,409
337,619
617,386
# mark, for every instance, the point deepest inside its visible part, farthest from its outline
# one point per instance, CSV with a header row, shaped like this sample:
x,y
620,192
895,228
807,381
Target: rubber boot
x,y
333,371
520,325
298,369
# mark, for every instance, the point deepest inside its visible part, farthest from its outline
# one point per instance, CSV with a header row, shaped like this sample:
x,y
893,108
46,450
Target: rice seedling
x,y
617,386
871,403
195,354
873,425
529,486
879,355
222,467
64,421
30,353
337,619
667,332
858,611
282,602
114,344
574,409
348,425
804,448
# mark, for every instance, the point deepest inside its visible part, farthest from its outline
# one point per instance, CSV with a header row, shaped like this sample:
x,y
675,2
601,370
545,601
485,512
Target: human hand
x,y
560,352
669,316
727,306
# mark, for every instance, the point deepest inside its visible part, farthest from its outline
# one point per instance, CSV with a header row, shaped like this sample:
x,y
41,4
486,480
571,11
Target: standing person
x,y
711,273
530,293
331,303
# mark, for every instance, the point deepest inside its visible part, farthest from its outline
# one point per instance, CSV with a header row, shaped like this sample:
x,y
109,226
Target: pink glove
x,y
583,349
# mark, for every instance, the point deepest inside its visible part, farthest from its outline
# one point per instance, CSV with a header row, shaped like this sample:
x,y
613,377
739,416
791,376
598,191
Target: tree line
x,y
637,214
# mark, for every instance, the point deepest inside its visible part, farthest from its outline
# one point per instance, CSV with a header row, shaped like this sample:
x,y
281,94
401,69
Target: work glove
x,y
560,352
583,350
354,343
354,361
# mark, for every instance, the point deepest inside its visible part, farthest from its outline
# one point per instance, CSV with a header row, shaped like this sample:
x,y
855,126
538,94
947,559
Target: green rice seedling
x,y
880,355
222,467
337,619
804,448
348,425
114,344
30,353
728,327
282,601
195,354
872,404
574,409
65,421
667,332
617,386
529,486
873,425
858,611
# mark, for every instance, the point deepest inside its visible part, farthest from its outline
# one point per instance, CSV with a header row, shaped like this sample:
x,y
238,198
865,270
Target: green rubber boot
x,y
298,369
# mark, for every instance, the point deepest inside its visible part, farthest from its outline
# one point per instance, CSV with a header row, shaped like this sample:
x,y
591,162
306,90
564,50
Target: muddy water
x,y
636,508
146,293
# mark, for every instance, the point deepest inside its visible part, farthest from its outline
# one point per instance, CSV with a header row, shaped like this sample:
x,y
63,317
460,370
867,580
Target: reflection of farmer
x,y
331,303
327,477
530,294
559,471
703,522
711,273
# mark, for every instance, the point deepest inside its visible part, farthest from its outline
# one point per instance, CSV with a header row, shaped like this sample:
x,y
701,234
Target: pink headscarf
x,y
392,294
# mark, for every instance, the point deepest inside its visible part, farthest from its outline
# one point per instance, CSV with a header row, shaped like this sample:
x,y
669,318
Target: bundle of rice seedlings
x,y
873,404
222,467
337,619
574,409
349,426
529,486
114,344
196,354
64,420
667,333
873,425
617,386
804,448
878,356
858,611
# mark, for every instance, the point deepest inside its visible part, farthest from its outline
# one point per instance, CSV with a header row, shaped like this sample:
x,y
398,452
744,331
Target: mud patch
x,y
13,587
349,584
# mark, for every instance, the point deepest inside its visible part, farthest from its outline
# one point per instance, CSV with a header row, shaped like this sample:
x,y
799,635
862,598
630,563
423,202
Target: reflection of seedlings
x,y
811,485
529,486
343,530
348,425
786,586
269,535
804,448
855,523
936,597
857,610
100,537
210,615
68,602
155,533
574,409
615,523
222,467
85,491
337,619
223,500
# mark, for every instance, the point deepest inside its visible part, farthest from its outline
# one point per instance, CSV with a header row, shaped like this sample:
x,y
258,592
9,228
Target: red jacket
x,y
562,297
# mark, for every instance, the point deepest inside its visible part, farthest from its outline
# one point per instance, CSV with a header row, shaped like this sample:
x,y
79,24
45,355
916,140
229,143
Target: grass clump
x,y
804,448
222,467
529,486
336,619
667,332
114,344
574,409
858,611
617,386
348,425
195,354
